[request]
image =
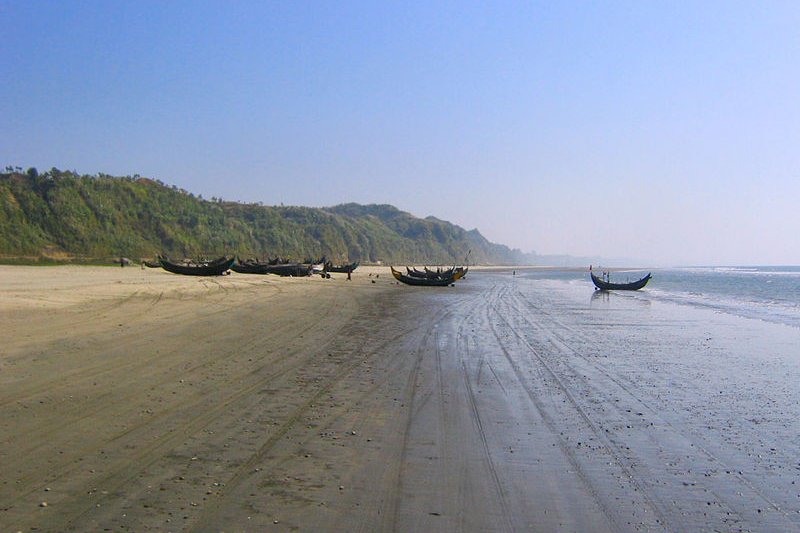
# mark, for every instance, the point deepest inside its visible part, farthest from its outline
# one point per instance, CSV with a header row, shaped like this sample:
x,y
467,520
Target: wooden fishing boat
x,y
216,267
439,273
455,272
247,267
427,273
609,286
330,267
422,282
282,269
291,269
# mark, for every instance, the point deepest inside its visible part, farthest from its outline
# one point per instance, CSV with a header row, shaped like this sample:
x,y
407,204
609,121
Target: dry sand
x,y
137,400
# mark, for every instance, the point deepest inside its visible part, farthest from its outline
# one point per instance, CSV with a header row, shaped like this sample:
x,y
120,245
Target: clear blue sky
x,y
663,131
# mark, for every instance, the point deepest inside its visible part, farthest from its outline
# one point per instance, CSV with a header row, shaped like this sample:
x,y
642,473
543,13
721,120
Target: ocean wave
x,y
778,311
747,271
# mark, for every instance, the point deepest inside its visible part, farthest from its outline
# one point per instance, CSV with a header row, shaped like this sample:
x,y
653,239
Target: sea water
x,y
770,293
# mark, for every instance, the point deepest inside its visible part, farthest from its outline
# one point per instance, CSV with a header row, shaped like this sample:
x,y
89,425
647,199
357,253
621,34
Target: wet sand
x,y
144,401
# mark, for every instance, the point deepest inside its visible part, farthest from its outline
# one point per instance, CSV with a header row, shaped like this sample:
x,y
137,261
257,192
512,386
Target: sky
x,y
664,132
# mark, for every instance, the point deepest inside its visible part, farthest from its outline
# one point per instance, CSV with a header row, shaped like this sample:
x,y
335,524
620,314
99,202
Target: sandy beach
x,y
138,400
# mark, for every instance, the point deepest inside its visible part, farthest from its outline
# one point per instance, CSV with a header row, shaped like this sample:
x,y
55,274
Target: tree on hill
x,y
98,217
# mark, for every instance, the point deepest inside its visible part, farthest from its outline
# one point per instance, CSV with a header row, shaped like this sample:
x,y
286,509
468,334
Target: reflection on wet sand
x,y
628,298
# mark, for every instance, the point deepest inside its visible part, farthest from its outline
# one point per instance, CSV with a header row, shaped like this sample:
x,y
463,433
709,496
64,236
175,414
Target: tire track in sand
x,y
494,312
671,438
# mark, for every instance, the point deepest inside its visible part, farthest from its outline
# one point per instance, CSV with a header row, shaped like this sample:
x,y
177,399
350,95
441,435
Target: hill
x,y
59,215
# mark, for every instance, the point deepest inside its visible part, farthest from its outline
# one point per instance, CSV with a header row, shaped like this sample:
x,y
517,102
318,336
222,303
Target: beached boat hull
x,y
214,268
291,269
250,268
422,282
286,269
455,273
341,268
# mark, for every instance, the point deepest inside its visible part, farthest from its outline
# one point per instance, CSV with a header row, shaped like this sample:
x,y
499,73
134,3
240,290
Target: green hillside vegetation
x,y
61,216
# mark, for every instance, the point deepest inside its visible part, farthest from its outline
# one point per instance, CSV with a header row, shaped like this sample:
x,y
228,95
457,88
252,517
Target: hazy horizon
x,y
667,134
